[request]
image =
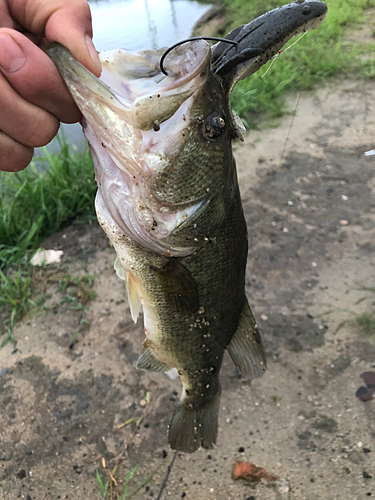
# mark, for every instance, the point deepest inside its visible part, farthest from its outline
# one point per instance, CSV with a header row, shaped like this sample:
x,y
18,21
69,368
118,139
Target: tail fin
x,y
191,428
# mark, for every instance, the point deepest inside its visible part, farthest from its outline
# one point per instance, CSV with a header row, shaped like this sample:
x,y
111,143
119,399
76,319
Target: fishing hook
x,y
189,40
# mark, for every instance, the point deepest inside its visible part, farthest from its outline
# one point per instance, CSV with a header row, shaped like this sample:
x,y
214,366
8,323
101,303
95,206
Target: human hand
x,y
33,97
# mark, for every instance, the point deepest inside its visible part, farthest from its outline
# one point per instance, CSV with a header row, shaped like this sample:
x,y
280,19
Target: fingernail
x,y
94,54
12,57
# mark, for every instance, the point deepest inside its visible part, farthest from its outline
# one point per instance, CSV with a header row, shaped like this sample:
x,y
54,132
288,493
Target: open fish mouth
x,y
132,85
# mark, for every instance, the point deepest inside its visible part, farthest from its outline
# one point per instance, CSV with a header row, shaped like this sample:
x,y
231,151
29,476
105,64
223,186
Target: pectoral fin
x,y
246,347
147,361
133,296
132,289
179,289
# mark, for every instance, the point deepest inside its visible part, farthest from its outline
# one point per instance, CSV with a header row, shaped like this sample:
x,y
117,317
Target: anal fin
x,y
147,361
246,347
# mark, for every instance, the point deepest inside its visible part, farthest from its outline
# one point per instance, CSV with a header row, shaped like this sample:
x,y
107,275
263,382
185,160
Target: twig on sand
x,y
149,400
164,483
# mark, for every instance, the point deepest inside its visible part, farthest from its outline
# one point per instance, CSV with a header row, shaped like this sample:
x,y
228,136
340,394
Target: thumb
x,y
71,26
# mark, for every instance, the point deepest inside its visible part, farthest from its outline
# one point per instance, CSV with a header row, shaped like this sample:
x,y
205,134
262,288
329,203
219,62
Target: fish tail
x,y
191,428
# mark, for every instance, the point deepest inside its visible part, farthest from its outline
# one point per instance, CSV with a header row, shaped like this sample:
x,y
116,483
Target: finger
x,y
34,76
62,21
14,156
23,121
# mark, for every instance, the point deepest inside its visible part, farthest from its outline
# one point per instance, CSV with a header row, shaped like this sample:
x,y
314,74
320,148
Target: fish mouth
x,y
133,98
133,85
153,96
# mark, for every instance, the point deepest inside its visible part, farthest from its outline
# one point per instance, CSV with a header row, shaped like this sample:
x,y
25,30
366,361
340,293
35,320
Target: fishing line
x,y
290,128
280,52
299,96
190,40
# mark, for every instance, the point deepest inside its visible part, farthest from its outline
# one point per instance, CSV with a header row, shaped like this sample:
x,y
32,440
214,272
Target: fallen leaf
x,y
250,472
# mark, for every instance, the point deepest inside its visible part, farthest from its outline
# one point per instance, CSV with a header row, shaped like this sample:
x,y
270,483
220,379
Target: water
x,y
143,24
137,25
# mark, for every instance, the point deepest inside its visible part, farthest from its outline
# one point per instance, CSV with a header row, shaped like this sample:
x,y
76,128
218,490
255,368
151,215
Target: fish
x,y
169,201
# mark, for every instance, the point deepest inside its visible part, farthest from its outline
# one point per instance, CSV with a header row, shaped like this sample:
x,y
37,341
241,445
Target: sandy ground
x,y
311,222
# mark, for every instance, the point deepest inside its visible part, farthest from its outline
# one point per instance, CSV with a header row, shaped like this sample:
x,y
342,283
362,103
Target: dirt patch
x,y
210,22
311,222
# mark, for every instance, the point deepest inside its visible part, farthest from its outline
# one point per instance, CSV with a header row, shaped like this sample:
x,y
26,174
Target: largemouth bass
x,y
169,201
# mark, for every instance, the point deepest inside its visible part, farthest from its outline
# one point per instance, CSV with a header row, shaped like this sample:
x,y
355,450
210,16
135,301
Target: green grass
x,y
22,292
366,321
111,490
320,54
16,299
36,202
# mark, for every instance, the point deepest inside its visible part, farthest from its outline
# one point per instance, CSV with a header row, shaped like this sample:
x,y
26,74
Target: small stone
x,y
142,402
344,197
285,230
283,487
359,444
263,317
290,203
344,222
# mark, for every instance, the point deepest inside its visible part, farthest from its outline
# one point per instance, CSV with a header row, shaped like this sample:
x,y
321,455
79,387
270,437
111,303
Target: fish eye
x,y
213,126
306,10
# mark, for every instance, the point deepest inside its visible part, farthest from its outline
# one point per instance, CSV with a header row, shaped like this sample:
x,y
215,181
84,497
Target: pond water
x,y
137,25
